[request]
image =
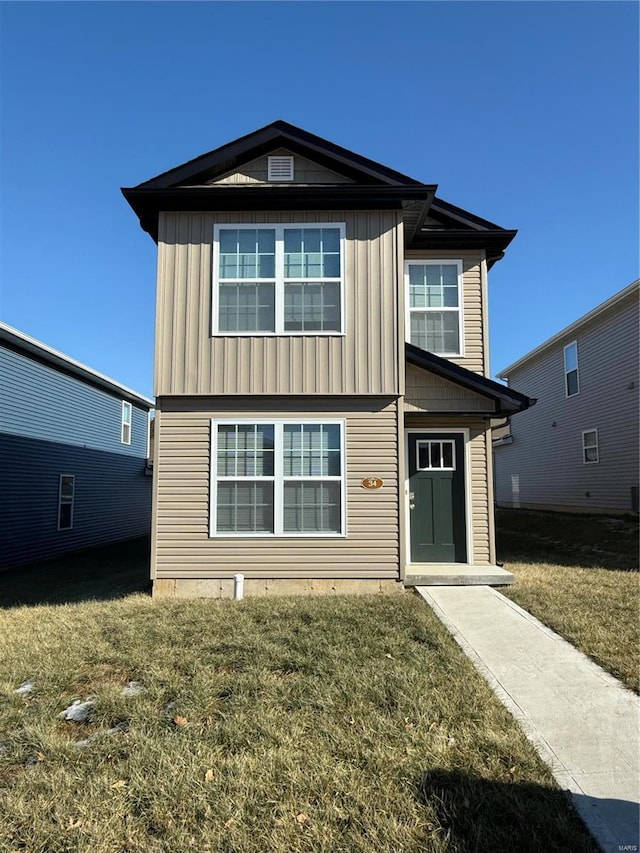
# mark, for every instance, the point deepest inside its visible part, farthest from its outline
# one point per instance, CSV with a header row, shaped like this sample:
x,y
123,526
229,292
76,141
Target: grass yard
x,y
579,575
327,724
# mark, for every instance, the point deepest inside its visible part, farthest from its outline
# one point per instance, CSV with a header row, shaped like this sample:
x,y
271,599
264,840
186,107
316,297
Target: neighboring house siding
x,y
425,392
305,172
543,465
479,450
52,424
41,402
473,307
363,361
182,543
112,499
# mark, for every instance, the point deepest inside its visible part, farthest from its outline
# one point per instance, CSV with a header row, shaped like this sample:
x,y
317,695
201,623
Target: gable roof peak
x,y
278,133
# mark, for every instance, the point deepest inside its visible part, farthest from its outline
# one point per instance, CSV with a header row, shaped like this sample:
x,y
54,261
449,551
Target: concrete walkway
x,y
582,721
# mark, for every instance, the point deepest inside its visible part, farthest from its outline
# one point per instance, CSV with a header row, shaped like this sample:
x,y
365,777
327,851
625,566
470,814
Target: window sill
x,y
279,537
278,335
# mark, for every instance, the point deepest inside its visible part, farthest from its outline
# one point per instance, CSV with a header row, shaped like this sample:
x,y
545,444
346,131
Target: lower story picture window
x,y
278,479
65,501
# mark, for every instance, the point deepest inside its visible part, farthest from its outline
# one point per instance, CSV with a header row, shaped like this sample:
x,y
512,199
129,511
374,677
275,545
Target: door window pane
x,y
435,456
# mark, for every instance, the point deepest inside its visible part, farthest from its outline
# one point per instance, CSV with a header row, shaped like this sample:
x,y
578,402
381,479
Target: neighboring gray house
x,y
577,448
73,454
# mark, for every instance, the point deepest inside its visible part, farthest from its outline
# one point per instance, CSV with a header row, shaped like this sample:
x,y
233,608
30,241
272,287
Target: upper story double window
x,y
434,306
278,279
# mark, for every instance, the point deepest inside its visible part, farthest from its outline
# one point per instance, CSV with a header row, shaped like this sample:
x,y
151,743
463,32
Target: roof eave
x,y
21,342
148,203
507,401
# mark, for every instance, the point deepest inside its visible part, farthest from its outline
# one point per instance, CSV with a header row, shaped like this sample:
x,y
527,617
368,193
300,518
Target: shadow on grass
x,y
495,817
567,539
95,574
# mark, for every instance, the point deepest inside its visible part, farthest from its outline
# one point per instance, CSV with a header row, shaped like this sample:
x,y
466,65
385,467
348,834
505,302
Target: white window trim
x,y
459,309
277,479
279,228
567,372
73,499
586,461
126,406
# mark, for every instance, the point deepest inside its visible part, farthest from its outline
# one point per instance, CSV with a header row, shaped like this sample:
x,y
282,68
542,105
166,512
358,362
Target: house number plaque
x,y
372,483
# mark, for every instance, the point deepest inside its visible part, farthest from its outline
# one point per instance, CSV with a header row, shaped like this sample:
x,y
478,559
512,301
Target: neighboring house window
x,y
434,306
571,380
65,501
282,280
278,478
126,423
590,451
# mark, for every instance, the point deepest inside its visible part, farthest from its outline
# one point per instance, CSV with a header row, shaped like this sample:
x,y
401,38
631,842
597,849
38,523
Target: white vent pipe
x,y
238,587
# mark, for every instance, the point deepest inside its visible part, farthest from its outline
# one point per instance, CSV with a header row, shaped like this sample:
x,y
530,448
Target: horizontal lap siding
x,y
546,453
112,499
426,392
41,402
184,548
483,534
190,361
474,353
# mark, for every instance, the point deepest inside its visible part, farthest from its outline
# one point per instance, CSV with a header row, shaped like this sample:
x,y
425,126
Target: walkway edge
x,y
564,778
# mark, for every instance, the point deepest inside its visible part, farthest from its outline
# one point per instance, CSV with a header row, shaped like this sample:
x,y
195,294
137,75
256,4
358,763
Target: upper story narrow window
x,y
434,306
126,423
571,378
277,279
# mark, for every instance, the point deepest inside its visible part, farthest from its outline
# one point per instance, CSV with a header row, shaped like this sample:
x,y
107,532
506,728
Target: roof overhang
x,y
148,203
19,342
506,400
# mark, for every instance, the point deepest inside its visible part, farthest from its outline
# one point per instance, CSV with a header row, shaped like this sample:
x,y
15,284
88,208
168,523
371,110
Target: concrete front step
x,y
456,575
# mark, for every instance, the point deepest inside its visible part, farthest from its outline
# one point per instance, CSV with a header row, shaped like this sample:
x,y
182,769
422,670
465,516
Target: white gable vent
x,y
280,169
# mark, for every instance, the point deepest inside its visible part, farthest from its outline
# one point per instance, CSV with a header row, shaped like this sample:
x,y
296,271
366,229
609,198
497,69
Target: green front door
x,y
436,498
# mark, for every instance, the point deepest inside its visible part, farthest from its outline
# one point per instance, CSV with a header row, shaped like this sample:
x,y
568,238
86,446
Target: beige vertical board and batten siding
x,y
362,361
305,172
426,392
482,532
184,548
474,308
547,458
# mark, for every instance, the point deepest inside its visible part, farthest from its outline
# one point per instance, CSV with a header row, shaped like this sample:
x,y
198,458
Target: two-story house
x,y
579,449
73,451
323,407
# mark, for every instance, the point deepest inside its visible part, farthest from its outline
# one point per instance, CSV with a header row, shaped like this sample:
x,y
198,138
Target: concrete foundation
x,y
253,587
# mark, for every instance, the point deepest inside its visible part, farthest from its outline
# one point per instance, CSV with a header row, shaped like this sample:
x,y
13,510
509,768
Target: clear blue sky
x,y
523,113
